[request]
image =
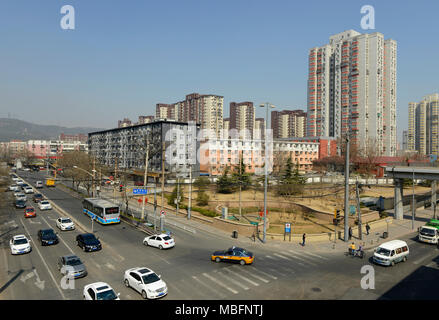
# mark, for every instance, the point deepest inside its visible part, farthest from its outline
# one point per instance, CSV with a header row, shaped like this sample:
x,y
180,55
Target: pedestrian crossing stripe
x,y
264,273
220,283
244,278
251,274
309,254
221,295
234,282
301,259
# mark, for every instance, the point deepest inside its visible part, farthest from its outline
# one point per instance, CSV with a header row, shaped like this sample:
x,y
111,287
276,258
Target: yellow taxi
x,y
234,254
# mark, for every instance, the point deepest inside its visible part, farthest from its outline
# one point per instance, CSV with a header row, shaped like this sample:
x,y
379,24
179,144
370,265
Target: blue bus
x,y
102,211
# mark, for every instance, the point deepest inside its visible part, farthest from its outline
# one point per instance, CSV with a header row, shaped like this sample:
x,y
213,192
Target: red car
x,y
30,212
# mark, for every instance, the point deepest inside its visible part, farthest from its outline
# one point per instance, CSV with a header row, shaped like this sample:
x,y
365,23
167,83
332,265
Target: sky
x,y
125,56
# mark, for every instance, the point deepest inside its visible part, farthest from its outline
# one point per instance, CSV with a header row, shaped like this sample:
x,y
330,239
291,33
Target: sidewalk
x,y
396,229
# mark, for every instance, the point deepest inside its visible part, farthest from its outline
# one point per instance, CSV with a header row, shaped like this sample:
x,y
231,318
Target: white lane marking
x,y
241,269
96,264
301,259
220,283
281,256
60,238
228,278
308,254
421,259
34,222
44,262
264,273
243,278
209,287
277,271
110,266
176,289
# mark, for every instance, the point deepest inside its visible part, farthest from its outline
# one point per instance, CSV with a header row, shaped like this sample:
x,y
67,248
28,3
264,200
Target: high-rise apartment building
x,y
423,129
204,109
288,124
242,118
259,130
352,88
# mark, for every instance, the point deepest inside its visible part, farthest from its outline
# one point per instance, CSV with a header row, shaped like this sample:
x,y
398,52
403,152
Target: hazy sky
x,y
126,56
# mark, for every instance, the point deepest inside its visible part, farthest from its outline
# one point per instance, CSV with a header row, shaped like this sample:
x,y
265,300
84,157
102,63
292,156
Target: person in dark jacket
x,y
367,228
350,233
303,240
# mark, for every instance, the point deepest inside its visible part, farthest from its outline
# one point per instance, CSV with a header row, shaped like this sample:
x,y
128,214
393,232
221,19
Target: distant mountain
x,y
11,129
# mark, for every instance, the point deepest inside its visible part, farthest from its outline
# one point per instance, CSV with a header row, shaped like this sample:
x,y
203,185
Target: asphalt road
x,y
187,269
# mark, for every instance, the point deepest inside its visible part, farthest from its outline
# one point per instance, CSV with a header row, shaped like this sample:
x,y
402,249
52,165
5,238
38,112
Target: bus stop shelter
x,y
400,173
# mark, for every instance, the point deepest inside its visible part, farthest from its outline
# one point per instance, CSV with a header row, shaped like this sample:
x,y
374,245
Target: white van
x,y
391,252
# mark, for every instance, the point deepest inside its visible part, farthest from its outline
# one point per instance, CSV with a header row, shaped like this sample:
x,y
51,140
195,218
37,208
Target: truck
x,y
50,182
430,232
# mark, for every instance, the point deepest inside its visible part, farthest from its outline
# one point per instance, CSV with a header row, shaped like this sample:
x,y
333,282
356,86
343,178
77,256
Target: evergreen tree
x,y
225,183
241,176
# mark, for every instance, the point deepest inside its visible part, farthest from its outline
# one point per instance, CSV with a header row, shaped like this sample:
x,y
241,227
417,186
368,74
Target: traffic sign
x,y
140,191
287,227
162,213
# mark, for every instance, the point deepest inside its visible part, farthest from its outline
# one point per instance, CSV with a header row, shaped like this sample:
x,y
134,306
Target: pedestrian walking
x,y
303,240
367,228
350,233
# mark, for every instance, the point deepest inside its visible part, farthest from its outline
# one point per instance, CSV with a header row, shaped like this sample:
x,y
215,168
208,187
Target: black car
x,y
88,242
47,237
24,185
37,197
20,204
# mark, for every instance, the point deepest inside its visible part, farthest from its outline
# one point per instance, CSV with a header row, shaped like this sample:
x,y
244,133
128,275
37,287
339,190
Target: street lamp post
x,y
266,105
90,174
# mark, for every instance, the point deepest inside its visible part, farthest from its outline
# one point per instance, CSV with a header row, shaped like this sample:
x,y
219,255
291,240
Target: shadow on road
x,y
7,284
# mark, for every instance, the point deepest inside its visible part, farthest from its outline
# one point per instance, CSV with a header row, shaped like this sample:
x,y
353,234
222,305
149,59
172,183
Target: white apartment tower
x,y
352,87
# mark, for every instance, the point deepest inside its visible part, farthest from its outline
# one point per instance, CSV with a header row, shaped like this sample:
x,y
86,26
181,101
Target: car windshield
x,y
88,237
107,295
44,202
29,209
66,220
38,195
150,278
20,241
167,238
48,233
73,262
429,232
383,252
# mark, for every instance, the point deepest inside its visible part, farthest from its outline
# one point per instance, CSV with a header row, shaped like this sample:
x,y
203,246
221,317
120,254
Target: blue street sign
x,y
140,191
287,227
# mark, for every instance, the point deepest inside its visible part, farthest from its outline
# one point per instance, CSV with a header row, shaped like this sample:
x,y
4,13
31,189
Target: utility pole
x,y
346,192
178,194
163,174
190,193
93,180
155,202
114,180
357,192
145,179
413,201
240,184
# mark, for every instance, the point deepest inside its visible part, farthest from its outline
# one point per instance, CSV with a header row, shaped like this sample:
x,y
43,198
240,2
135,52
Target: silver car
x,y
72,266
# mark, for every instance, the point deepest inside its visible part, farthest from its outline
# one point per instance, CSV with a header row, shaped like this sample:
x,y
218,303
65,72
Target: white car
x,y
14,187
20,244
65,224
26,169
28,190
15,179
146,282
39,184
20,182
20,196
44,205
161,241
99,291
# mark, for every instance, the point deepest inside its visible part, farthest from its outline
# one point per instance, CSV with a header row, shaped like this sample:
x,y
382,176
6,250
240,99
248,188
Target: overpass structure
x,y
400,173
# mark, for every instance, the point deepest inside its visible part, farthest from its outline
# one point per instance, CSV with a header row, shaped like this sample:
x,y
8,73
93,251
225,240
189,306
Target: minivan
x,y
391,252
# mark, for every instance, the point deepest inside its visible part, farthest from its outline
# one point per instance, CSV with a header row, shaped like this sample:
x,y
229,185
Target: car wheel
x,y
160,247
393,263
83,248
217,259
127,283
144,295
146,243
404,259
242,262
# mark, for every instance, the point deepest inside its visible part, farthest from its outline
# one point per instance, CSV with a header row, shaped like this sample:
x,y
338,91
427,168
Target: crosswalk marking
x,y
301,259
277,271
234,282
280,256
251,274
220,283
208,287
264,273
313,256
244,278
